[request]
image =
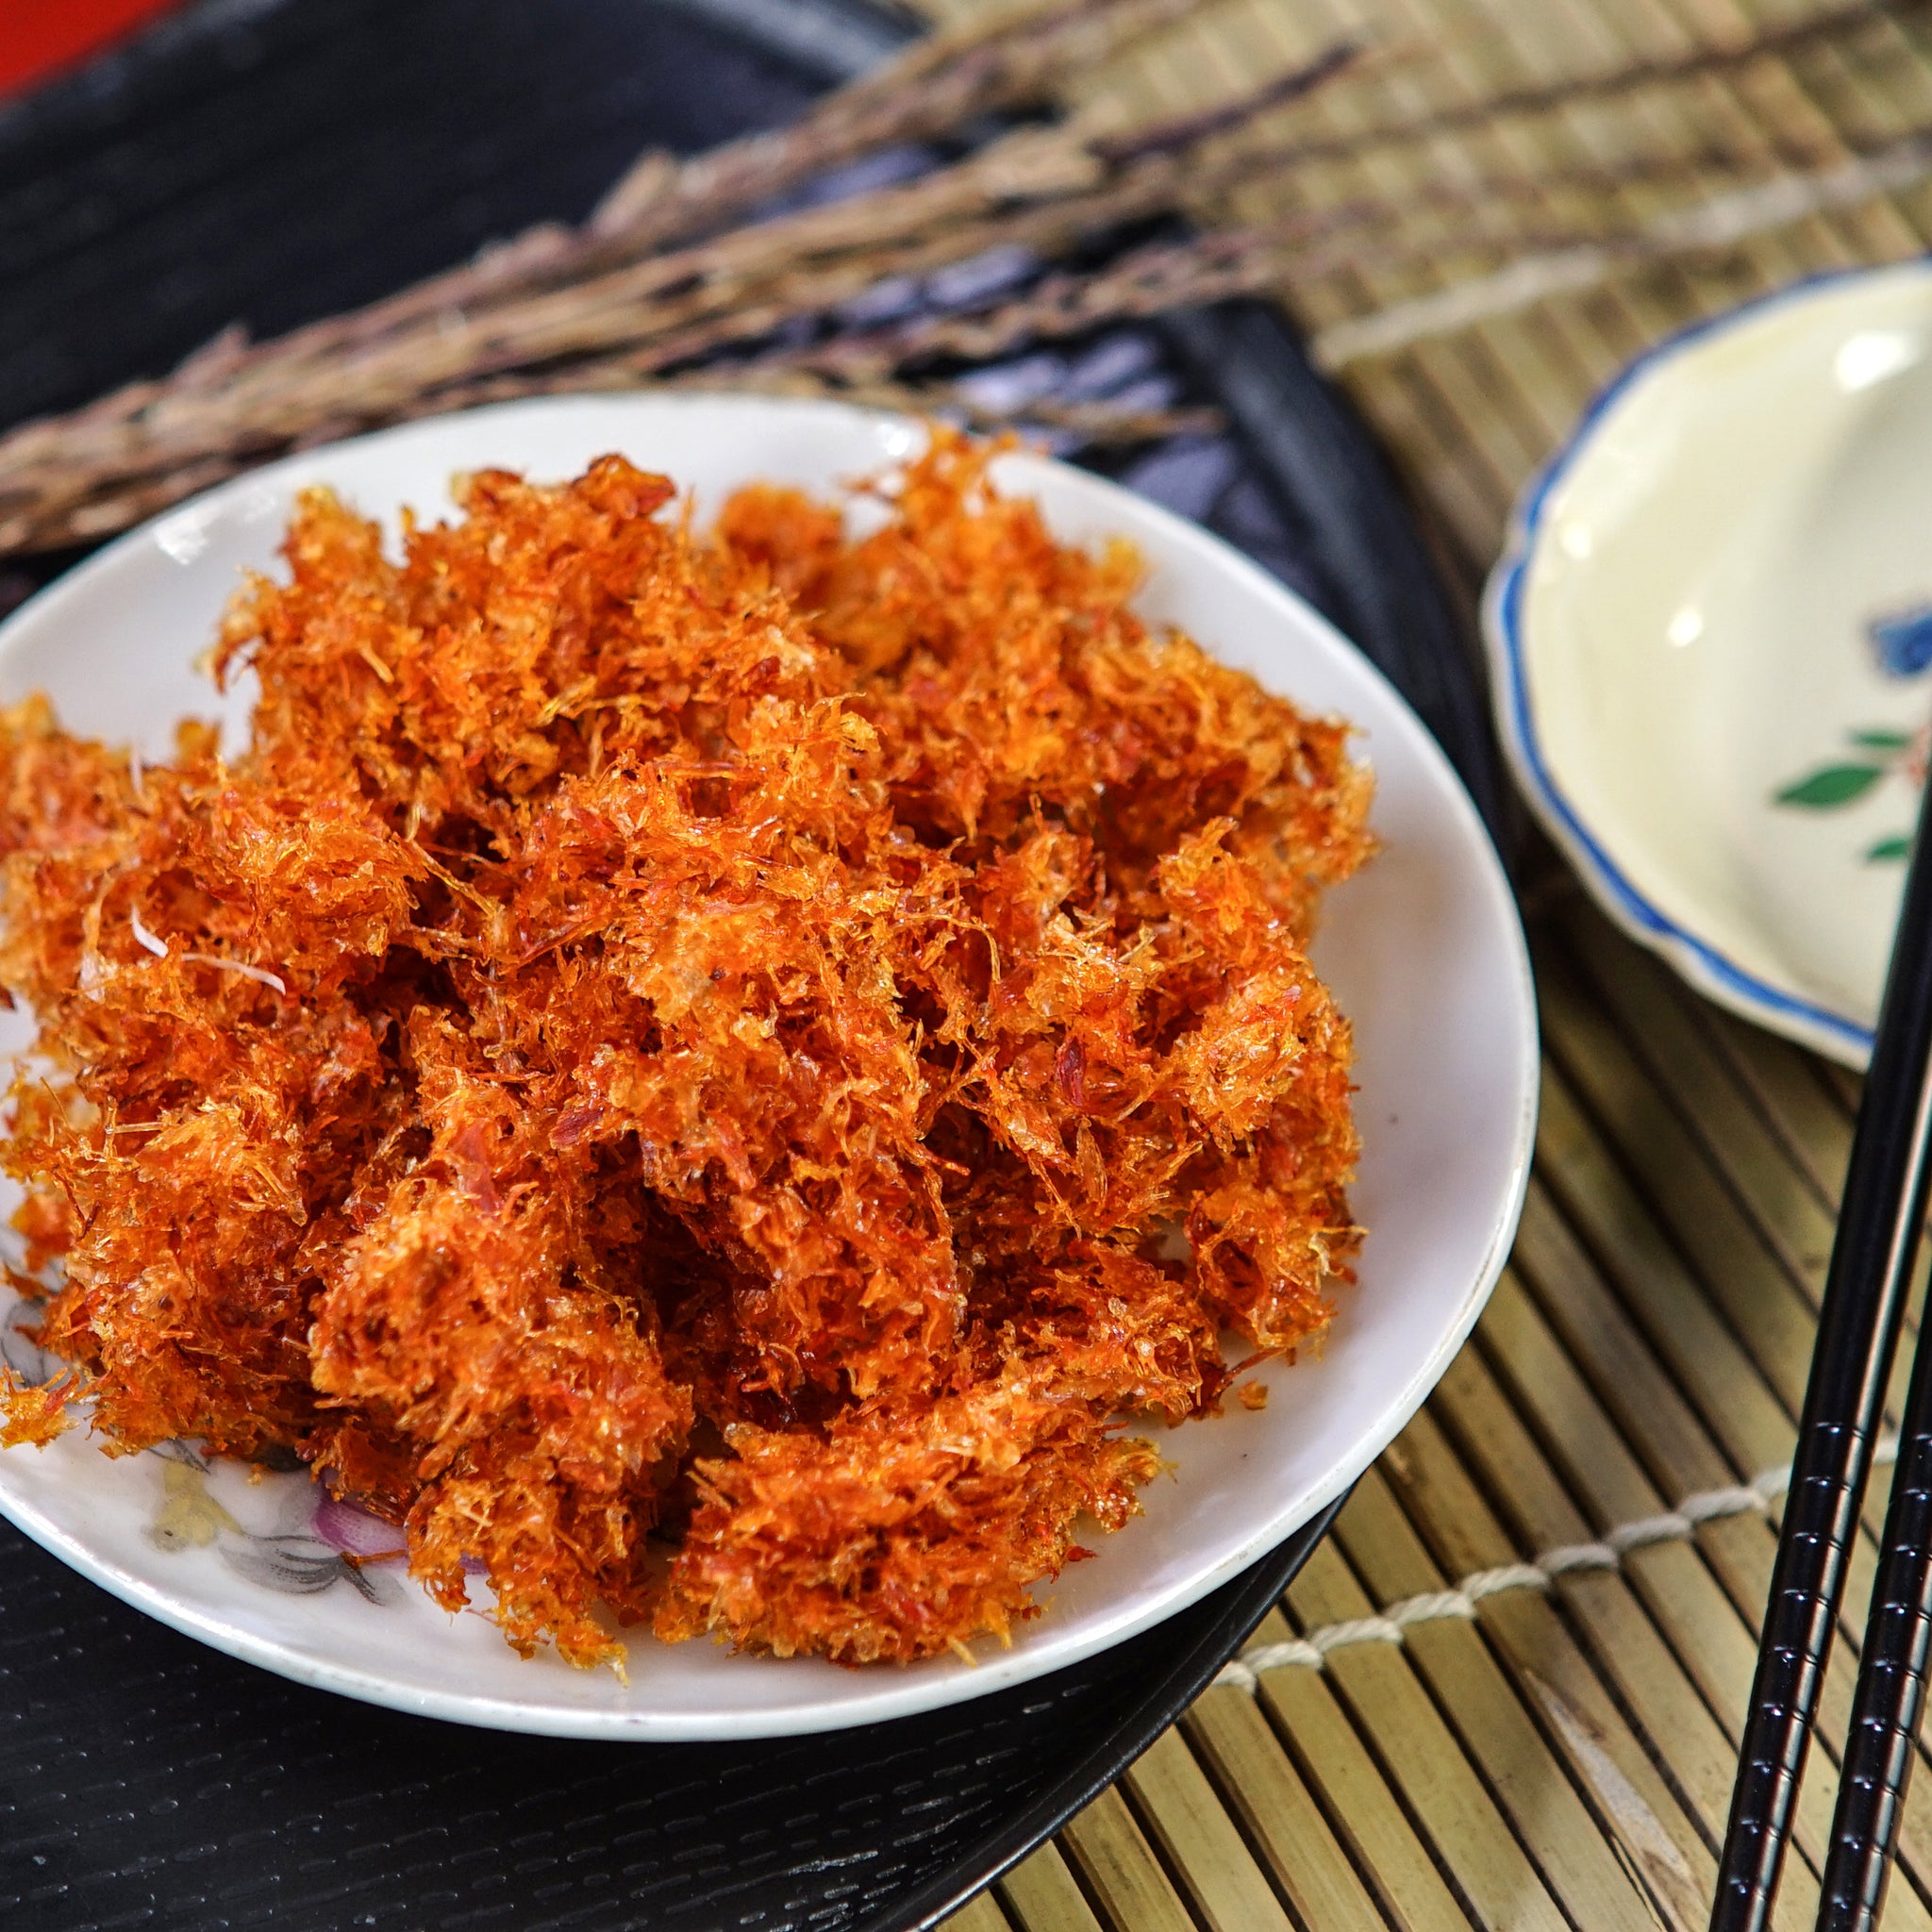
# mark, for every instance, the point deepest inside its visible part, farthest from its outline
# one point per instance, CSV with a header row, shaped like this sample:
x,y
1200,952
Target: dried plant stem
x,y
1152,282
194,444
1094,180
1042,190
933,88
718,296
1155,281
1091,424
660,278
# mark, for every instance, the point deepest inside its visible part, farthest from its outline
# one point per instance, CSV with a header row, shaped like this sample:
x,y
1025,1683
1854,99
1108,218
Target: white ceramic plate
x,y
1711,639
1424,949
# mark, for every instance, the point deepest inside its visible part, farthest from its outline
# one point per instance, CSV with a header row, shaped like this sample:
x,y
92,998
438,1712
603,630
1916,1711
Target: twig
x,y
932,89
1298,250
935,87
1090,423
1044,190
1192,129
660,279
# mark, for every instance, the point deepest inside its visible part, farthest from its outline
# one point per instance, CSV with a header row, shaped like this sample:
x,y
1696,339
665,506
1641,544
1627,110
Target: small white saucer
x,y
1711,641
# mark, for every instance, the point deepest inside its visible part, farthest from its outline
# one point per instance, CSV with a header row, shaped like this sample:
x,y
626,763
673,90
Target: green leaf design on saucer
x,y
1831,785
1877,752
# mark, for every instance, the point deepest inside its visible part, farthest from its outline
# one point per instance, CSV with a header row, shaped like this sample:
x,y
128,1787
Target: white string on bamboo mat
x,y
1607,1552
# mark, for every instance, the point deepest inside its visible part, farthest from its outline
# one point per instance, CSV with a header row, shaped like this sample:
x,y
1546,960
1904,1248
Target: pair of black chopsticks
x,y
1872,1260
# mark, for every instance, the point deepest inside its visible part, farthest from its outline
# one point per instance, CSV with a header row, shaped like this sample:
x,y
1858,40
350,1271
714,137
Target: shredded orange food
x,y
35,1412
707,1073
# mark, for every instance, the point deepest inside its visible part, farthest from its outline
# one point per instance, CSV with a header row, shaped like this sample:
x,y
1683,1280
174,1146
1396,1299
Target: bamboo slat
x,y
1500,1731
1685,1065
1703,1220
1365,1812
982,1915
1120,1874
1649,1300
1278,1813
1041,1893
1201,1843
1418,1751
1615,1660
1809,1116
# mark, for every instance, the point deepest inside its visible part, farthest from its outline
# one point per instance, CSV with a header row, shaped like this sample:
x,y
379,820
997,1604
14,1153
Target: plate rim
x,y
1706,965
909,1696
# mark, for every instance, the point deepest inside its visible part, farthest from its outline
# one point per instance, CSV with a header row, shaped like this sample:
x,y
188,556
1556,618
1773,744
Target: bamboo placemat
x,y
1507,1691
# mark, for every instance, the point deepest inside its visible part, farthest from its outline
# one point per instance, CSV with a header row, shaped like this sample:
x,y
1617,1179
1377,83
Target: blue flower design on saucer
x,y
1903,641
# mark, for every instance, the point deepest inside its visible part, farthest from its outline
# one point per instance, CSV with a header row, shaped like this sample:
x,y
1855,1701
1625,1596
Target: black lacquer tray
x,y
278,159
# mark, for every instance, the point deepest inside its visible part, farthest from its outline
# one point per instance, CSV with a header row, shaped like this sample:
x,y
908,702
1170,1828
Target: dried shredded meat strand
x,y
35,1412
764,1045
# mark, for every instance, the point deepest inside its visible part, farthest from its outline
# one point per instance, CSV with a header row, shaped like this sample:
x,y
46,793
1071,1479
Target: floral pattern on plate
x,y
1902,646
336,1543
319,1542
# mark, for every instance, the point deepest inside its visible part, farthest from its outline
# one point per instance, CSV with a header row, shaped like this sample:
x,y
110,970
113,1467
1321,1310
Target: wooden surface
x,y
1576,1536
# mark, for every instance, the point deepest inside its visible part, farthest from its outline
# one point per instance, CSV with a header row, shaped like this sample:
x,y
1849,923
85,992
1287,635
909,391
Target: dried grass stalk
x,y
1041,189
670,272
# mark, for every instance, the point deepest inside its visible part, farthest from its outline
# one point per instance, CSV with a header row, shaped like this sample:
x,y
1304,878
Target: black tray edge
x,y
1248,1599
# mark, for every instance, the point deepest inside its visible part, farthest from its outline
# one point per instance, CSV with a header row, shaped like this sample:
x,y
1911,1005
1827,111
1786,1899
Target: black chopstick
x,y
1879,1747
1872,1259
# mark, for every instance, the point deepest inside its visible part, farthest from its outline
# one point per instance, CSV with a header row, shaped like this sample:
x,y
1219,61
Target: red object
x,y
38,38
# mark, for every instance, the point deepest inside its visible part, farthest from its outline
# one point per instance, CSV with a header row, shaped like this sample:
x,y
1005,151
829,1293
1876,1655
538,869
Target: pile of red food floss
x,y
705,1073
